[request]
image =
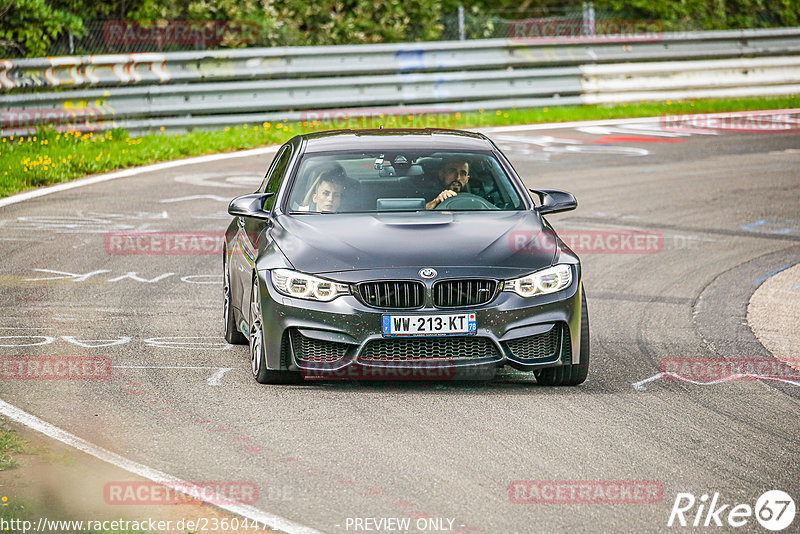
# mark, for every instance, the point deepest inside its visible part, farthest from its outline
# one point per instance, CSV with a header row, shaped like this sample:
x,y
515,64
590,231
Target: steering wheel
x,y
466,201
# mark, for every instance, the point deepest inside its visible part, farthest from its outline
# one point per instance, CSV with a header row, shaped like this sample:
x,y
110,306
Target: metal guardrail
x,y
691,79
209,89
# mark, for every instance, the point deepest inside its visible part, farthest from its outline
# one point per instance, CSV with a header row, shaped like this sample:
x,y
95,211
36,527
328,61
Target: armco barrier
x,y
186,90
691,79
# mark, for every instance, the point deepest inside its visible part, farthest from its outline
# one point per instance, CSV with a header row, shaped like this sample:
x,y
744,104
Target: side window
x,y
272,181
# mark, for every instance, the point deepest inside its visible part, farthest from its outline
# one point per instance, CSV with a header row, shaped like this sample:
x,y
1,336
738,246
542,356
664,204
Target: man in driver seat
x,y
453,176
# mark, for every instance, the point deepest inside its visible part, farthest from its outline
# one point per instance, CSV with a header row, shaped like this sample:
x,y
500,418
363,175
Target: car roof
x,y
393,139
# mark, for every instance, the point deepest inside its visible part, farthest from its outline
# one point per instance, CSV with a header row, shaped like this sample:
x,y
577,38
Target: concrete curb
x,y
773,314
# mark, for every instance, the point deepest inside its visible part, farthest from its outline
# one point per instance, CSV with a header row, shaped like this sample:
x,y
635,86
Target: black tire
x,y
232,333
258,363
571,375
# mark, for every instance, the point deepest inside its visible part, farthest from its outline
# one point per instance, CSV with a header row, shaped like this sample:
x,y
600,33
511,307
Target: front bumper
x,y
343,337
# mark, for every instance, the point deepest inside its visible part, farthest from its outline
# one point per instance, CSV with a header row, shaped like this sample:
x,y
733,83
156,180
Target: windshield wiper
x,y
312,212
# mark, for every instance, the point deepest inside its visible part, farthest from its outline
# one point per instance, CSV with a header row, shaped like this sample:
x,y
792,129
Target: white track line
x,y
639,386
254,514
273,521
20,197
611,122
31,421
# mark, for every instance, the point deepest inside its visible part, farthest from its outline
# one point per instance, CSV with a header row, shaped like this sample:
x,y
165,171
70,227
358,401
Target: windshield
x,y
347,182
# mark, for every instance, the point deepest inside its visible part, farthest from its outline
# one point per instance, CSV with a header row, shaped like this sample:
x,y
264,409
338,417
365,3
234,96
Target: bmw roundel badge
x,y
427,272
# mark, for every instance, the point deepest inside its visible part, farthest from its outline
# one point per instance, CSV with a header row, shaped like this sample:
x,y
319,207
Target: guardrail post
x,y
588,18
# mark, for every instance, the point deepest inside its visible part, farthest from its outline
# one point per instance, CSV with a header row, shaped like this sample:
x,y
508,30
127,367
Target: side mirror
x,y
554,201
250,206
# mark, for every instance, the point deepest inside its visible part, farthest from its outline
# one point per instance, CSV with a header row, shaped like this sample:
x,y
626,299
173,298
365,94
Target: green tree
x,y
27,27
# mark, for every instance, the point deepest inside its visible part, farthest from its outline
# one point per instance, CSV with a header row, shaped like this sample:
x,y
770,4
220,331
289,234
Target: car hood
x,y
320,243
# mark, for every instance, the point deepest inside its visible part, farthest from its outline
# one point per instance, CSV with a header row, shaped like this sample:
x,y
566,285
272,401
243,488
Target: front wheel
x,y
258,362
571,375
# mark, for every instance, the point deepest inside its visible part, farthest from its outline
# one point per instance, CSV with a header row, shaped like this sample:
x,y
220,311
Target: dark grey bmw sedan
x,y
401,254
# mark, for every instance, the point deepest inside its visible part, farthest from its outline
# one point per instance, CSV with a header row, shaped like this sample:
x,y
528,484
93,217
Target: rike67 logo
x,y
774,510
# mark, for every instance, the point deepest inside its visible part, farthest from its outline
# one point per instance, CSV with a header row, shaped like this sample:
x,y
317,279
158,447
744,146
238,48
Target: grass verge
x,y
21,514
50,157
10,444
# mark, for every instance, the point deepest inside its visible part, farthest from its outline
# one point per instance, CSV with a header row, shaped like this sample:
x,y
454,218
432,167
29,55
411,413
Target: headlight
x,y
545,281
305,286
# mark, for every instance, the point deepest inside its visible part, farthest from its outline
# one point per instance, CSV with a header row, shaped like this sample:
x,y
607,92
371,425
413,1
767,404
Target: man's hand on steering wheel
x,y
447,193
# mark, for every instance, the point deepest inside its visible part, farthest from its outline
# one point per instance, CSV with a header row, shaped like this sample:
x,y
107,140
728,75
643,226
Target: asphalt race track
x,y
724,205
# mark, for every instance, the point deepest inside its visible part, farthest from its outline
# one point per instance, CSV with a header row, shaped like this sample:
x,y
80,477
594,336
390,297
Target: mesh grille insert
x,y
538,347
429,348
566,354
316,350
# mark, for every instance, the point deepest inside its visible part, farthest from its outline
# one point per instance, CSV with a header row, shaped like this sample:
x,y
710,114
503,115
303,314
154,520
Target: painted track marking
x,y
640,386
262,518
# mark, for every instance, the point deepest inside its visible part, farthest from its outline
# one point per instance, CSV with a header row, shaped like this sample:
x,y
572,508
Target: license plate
x,y
429,325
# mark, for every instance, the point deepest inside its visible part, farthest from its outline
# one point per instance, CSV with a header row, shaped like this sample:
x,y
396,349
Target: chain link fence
x,y
544,23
